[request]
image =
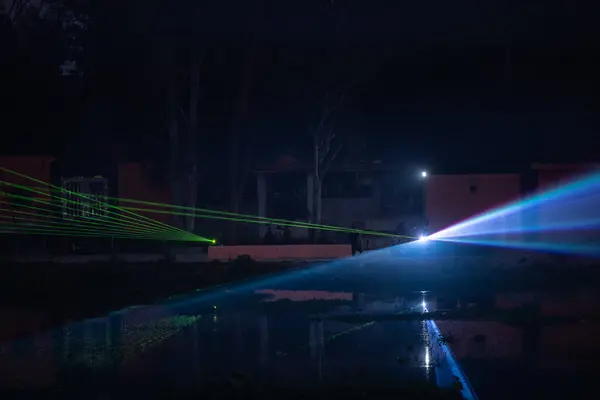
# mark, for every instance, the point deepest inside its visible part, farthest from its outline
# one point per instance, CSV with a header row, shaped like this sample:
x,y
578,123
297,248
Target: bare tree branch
x,y
40,9
327,163
13,7
325,146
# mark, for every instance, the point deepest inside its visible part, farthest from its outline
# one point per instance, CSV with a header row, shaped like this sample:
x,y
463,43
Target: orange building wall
x,y
38,167
553,176
135,183
284,252
449,199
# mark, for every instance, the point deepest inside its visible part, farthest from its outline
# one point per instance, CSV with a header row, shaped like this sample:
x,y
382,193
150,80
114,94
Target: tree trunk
x,y
174,146
192,147
319,201
317,207
239,173
234,201
316,212
192,197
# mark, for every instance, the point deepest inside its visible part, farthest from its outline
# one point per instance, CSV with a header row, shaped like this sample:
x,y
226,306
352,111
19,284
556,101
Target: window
x,y
84,197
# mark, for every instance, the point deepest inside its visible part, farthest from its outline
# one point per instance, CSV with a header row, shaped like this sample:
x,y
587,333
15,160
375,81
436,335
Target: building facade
x,y
387,199
368,196
24,200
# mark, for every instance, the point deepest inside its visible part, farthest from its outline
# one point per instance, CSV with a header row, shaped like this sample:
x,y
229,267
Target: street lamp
x,y
423,195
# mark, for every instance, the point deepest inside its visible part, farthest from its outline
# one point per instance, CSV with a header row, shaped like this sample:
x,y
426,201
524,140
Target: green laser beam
x,y
172,235
136,216
236,217
372,233
32,229
93,222
255,218
132,221
62,226
109,205
25,223
290,223
274,220
146,226
103,218
45,232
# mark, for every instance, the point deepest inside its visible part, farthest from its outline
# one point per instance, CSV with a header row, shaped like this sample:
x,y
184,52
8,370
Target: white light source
x,y
423,238
424,174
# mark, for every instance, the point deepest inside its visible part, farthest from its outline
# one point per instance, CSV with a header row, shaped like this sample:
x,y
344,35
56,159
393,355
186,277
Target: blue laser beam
x,y
590,250
278,278
564,207
567,217
452,364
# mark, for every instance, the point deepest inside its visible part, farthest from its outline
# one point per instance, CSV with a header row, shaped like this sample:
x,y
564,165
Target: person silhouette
x,y
269,236
355,240
287,235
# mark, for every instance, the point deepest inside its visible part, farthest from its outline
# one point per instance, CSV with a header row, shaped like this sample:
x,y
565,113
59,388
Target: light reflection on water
x,y
529,343
283,340
275,335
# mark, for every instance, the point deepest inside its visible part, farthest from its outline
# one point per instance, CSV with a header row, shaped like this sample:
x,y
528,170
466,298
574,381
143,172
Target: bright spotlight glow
x,y
424,174
423,238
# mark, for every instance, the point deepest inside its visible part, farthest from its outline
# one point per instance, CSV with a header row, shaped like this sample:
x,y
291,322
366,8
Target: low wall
x,y
281,252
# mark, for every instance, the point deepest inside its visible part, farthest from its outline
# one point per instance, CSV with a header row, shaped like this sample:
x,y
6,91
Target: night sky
x,y
444,84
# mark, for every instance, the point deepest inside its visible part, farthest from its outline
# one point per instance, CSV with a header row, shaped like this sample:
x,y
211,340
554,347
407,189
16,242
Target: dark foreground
x,y
40,296
347,329
237,341
240,386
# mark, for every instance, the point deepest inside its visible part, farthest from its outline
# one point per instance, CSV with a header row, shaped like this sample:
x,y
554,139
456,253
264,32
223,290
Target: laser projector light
x,y
423,238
